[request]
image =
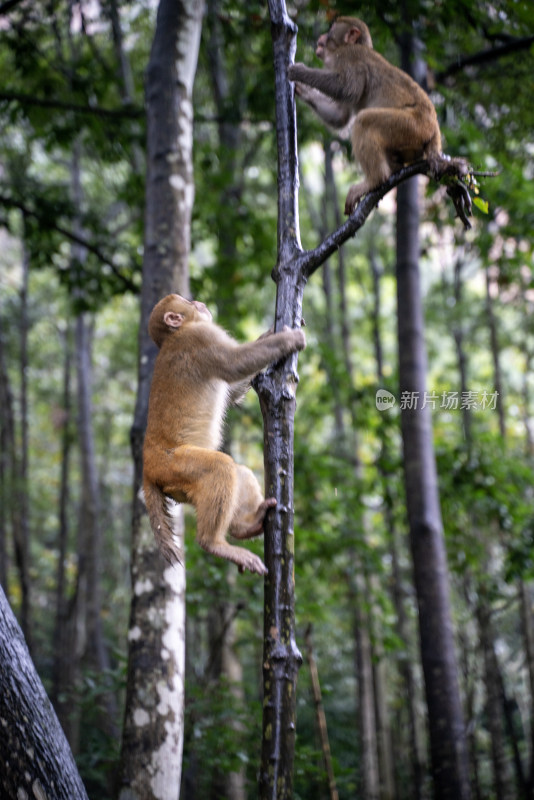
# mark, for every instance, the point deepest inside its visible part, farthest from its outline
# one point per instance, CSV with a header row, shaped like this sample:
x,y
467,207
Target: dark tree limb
x,y
73,237
128,111
35,757
453,172
487,56
276,389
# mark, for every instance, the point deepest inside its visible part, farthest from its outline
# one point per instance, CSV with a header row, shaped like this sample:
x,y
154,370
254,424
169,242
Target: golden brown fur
x,y
199,369
392,122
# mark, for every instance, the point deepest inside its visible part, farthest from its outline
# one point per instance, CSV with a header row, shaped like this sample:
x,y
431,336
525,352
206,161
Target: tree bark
x,y
35,757
446,725
495,353
405,664
21,532
7,455
370,782
62,669
151,757
503,785
321,717
276,389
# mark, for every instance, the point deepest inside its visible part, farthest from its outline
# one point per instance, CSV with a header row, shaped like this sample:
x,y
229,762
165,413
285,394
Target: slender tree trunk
x,y
89,643
7,444
445,717
502,779
321,717
20,517
370,789
386,763
276,389
446,726
127,88
527,626
494,346
35,757
63,650
458,333
153,725
405,666
94,649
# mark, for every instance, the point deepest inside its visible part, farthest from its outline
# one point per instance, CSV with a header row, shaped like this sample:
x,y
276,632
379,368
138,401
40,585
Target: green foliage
x,y
62,89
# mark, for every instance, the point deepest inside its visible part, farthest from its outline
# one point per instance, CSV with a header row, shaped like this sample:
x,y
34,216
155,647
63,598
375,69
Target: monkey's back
x,y
186,404
386,86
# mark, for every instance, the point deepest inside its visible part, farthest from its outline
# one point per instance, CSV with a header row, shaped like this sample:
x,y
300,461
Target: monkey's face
x,y
171,313
189,309
321,44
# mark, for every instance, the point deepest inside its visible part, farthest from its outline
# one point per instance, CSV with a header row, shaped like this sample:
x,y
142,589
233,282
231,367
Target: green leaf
x,y
481,204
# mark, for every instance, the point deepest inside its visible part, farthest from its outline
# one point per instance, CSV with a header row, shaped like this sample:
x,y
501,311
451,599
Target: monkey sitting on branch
x,y
199,370
392,121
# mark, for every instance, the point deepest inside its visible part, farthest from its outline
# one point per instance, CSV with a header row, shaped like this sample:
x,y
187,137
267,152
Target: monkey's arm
x,y
336,85
234,363
238,391
336,115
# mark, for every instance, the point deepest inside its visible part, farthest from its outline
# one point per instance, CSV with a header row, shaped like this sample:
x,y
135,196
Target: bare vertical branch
x,y
276,389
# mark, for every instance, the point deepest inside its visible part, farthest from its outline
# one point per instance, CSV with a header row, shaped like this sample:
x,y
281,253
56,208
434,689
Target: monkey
x,y
199,369
391,120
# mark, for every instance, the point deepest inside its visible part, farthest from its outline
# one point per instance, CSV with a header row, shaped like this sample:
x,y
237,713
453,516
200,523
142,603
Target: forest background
x,y
72,204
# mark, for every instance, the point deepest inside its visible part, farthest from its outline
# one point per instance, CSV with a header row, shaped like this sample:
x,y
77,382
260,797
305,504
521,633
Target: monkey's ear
x,y
352,35
172,319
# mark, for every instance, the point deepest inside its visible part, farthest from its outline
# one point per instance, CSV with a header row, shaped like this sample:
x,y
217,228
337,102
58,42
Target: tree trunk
x,y
94,649
405,665
445,717
62,670
370,789
151,757
527,630
494,345
446,726
35,757
7,454
502,778
276,388
321,717
21,534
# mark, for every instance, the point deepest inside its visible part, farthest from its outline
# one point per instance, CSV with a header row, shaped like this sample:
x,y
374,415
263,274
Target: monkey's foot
x,y
255,526
442,166
238,555
354,196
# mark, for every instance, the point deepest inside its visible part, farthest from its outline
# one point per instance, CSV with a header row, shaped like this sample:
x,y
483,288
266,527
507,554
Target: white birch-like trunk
x,y
154,718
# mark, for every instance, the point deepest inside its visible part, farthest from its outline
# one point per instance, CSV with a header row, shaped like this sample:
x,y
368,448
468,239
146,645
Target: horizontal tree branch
x,y
126,112
447,168
8,5
486,56
9,202
311,260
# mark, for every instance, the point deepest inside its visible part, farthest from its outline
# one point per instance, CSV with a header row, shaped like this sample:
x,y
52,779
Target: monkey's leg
x,y
250,507
383,139
369,151
210,480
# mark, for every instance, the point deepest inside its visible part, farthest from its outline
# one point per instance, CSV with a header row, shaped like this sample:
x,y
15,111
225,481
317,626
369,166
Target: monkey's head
x,y
344,31
172,313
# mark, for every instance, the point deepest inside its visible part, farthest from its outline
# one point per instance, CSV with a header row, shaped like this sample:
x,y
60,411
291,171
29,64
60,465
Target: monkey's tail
x,y
160,521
